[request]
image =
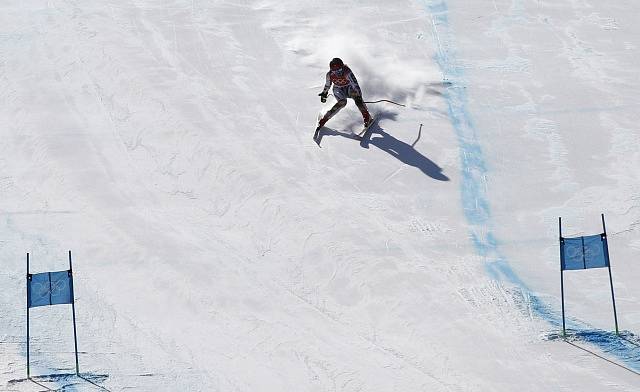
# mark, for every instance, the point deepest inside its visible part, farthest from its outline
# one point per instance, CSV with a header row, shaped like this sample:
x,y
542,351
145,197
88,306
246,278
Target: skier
x,y
345,86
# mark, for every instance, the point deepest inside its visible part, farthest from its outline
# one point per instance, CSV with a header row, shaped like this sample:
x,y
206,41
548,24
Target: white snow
x,y
169,146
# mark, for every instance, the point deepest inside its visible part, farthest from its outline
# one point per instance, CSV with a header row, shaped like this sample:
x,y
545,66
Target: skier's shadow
x,y
398,149
404,152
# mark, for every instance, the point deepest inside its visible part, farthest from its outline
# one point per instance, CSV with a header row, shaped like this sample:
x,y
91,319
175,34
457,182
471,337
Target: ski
x,y
365,130
316,136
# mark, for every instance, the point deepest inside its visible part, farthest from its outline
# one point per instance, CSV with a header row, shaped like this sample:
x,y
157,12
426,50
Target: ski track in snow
x,y
626,347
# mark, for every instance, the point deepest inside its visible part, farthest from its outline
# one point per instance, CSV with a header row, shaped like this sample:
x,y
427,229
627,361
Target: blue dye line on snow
x,y
475,201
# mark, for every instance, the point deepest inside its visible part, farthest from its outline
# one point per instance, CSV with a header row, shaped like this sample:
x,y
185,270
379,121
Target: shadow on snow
x,y
68,379
404,152
625,346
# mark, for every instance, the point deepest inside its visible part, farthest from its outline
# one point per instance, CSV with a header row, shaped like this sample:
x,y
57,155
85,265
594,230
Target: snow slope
x,y
217,248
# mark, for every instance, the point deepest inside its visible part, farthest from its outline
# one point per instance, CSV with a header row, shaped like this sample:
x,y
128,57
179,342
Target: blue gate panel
x,y
50,288
584,252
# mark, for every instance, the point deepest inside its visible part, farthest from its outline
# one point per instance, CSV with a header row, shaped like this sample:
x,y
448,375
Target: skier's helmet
x,y
336,64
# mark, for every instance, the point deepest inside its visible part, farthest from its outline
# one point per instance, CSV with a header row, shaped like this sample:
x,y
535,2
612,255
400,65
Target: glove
x,y
323,96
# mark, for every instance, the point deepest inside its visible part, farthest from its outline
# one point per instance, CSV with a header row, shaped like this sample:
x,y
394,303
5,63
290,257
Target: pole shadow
x,y
624,346
333,132
46,388
601,357
630,338
93,383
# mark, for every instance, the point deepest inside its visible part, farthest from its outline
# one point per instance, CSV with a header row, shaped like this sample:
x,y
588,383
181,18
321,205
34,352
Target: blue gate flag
x,y
50,288
584,252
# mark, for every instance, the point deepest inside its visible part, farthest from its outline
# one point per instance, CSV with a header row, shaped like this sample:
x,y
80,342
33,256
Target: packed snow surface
x,y
217,247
